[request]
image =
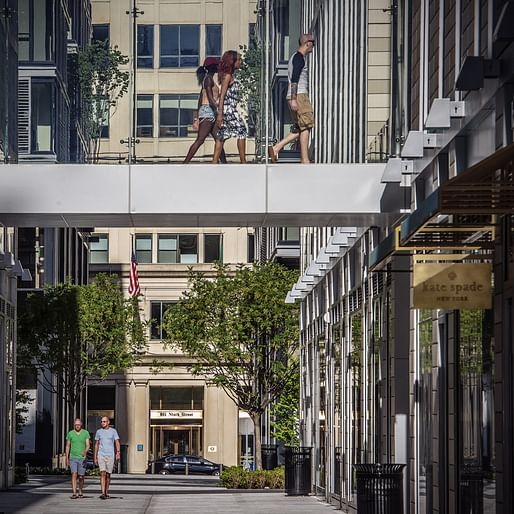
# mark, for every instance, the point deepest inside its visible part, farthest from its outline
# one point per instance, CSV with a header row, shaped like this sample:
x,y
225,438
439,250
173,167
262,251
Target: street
x,y
147,494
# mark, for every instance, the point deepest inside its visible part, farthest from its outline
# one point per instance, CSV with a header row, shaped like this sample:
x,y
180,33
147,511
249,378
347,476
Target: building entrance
x,y
172,440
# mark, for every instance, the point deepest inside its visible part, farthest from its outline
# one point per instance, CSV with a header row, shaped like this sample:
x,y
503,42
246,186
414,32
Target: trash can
x,y
269,456
298,470
472,489
379,488
123,465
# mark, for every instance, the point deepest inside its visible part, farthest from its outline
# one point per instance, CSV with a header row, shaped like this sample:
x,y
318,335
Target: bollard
x,y
27,469
187,467
153,467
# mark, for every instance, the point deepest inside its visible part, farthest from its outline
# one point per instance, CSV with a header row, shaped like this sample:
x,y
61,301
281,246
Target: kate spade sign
x,y
452,286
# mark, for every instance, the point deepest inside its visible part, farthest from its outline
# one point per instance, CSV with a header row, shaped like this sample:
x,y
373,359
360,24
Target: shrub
x,y
20,474
38,470
236,477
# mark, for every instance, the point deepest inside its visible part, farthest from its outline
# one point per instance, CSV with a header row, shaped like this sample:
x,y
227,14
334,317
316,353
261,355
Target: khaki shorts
x,y
106,463
303,118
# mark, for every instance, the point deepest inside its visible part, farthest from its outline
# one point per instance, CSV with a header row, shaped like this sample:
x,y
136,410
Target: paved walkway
x,y
147,494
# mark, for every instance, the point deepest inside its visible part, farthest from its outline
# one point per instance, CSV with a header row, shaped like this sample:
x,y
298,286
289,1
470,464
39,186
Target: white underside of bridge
x,y
199,195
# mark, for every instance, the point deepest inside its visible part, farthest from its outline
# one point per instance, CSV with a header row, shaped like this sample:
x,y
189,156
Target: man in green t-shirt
x,y
77,445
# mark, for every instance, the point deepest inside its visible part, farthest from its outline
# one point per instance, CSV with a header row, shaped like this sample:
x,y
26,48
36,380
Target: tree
x,y
102,83
240,334
23,400
249,77
71,333
285,423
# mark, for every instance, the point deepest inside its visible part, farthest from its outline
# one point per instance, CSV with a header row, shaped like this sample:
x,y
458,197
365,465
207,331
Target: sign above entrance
x,y
452,286
176,414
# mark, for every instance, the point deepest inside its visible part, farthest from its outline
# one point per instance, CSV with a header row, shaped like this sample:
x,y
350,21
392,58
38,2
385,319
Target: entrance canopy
x,y
202,195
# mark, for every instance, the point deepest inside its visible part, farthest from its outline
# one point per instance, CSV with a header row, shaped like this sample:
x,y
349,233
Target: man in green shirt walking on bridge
x,y
77,445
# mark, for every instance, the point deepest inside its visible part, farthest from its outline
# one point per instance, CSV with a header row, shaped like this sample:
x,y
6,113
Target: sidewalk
x,y
152,494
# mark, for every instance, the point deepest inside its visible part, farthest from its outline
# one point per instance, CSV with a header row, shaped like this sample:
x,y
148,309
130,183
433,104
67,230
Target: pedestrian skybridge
x,y
200,195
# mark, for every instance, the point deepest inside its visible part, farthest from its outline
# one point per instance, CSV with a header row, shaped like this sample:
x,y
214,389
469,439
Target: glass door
x,y
173,440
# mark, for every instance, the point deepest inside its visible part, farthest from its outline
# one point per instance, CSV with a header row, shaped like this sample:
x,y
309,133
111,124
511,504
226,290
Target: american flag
x,y
133,288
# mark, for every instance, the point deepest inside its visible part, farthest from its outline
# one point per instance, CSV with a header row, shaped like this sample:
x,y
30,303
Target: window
x,y
180,398
145,46
250,248
182,248
99,249
101,33
41,116
213,40
144,116
213,247
290,234
176,114
144,248
35,30
102,115
157,313
180,46
252,36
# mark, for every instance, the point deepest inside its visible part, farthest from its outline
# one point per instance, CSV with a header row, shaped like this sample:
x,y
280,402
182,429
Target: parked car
x,y
177,464
88,461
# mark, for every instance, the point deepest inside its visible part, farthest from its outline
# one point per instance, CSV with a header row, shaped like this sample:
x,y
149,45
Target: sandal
x,y
81,495
73,496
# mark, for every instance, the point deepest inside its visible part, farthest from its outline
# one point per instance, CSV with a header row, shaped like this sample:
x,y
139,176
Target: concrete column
x,y
121,413
138,459
220,427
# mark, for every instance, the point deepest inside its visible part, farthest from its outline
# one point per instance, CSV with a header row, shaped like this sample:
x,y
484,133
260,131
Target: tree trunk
x,y
256,418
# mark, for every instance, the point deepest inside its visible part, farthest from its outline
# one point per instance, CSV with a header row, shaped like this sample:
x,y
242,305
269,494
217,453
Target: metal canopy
x,y
191,195
485,188
460,215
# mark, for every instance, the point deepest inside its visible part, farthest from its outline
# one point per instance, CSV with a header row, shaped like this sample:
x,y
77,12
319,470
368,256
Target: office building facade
x,y
390,375
166,410
49,130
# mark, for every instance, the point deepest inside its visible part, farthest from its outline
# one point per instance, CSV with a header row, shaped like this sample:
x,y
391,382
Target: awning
x,y
485,188
459,215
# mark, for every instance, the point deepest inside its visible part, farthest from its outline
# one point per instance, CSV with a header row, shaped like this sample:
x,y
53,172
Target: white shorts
x,y
106,463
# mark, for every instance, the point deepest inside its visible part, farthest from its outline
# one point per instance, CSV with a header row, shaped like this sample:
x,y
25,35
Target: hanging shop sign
x,y
176,414
452,285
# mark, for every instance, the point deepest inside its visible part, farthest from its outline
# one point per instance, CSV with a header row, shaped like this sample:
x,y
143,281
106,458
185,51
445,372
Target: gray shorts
x,y
77,466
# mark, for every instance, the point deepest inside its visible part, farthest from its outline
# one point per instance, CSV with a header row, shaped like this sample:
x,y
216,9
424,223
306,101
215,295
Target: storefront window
x,y
476,411
425,339
356,392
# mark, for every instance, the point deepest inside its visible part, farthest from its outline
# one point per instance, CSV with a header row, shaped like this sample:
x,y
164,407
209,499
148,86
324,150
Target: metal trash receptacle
x,y
123,465
472,489
379,488
298,470
269,456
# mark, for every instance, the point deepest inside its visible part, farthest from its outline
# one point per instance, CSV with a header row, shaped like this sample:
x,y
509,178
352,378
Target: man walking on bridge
x,y
299,103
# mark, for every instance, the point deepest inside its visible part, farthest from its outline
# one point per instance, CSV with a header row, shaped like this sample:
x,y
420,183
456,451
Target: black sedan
x,y
178,463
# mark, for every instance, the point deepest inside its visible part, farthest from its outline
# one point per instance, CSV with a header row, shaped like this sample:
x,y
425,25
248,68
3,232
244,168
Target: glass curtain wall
x,y
424,411
477,482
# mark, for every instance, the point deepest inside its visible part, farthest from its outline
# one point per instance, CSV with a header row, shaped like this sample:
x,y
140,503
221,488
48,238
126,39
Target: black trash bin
x,y
379,488
269,456
298,470
123,465
472,489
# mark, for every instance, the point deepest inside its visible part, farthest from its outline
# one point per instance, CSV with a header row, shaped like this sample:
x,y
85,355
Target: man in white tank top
x,y
298,99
